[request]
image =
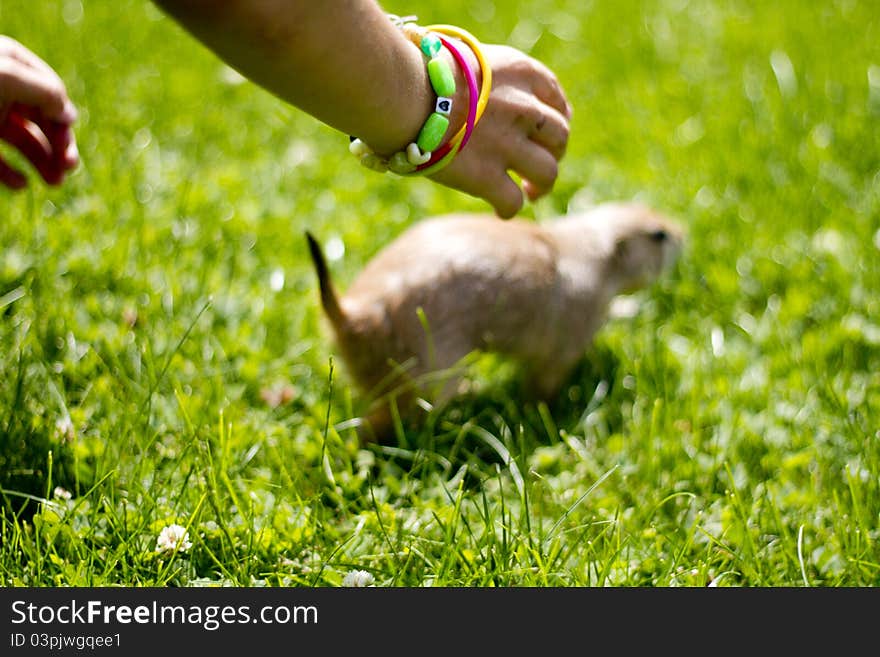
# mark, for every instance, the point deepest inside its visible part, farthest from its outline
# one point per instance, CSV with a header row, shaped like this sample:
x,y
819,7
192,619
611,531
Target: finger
x,y
10,177
38,115
497,187
507,199
34,145
60,136
71,153
504,194
66,151
20,53
549,129
15,49
534,164
546,86
28,86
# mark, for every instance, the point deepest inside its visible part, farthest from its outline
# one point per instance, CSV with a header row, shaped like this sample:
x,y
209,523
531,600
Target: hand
x,y
35,116
524,129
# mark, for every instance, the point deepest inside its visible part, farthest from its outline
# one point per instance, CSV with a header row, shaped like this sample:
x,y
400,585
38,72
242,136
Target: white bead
x,y
415,155
358,148
413,32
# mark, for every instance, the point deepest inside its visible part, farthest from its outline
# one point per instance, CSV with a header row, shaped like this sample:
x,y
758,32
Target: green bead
x,y
441,76
374,162
432,132
399,163
430,44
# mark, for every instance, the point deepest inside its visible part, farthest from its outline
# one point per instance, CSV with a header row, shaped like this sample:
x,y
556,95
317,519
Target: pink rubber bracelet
x,y
473,93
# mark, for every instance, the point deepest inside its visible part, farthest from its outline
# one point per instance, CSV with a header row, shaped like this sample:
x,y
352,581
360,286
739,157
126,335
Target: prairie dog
x,y
452,284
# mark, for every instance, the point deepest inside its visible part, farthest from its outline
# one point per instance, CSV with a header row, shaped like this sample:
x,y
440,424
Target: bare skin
x,y
346,64
455,284
36,116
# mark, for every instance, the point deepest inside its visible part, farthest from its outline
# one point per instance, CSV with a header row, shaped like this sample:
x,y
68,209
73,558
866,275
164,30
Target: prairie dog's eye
x,y
659,235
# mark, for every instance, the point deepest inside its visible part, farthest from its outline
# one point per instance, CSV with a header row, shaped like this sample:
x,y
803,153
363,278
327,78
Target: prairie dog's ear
x,y
643,250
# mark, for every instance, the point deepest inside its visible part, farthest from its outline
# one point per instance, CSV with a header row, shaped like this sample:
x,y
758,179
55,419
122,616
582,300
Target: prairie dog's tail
x,y
329,300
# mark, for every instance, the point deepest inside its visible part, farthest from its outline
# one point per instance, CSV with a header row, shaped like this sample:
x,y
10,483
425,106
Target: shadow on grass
x,y
494,421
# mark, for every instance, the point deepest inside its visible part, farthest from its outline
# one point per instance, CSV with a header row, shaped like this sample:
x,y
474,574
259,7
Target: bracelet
x,y
444,155
485,69
435,126
420,156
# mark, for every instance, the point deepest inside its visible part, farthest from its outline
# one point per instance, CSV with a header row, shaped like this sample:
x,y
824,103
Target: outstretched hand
x,y
36,116
524,129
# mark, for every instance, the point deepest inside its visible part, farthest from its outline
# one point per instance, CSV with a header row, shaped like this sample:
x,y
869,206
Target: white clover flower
x,y
64,429
171,537
358,578
61,493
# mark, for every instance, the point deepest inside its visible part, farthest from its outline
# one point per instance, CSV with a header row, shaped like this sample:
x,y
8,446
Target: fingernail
x,y
71,155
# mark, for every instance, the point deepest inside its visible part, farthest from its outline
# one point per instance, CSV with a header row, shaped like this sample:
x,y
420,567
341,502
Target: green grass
x,y
727,434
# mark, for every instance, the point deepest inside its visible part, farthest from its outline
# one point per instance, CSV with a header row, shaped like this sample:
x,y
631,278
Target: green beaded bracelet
x,y
432,132
435,126
441,77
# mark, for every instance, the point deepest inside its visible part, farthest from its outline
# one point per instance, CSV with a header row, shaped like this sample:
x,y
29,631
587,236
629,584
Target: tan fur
x,y
454,284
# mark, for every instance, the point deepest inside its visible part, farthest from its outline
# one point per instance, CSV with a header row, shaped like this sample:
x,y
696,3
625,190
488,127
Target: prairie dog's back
x,y
462,247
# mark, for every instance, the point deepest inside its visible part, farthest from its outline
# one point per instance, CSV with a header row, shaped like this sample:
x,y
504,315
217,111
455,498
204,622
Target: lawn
x,y
163,358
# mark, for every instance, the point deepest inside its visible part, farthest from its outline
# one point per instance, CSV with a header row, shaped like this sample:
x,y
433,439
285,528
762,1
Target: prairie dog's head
x,y
636,242
645,244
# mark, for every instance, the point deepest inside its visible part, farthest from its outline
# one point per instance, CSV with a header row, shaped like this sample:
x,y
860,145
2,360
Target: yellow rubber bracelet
x,y
485,69
415,33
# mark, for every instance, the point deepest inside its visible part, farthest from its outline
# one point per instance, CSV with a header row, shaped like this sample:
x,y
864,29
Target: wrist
x,y
421,97
411,104
441,69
